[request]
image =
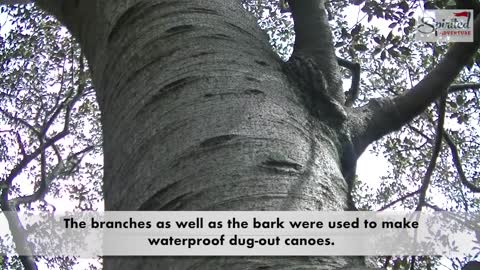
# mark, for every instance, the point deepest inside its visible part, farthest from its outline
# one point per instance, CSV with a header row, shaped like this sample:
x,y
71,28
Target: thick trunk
x,y
197,114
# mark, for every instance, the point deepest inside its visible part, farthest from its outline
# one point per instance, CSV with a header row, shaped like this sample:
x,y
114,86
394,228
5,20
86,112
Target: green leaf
x,y
357,2
360,47
460,100
383,55
393,52
356,30
404,6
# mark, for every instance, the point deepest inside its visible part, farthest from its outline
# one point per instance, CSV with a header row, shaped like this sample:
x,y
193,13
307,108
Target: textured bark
x,y
197,114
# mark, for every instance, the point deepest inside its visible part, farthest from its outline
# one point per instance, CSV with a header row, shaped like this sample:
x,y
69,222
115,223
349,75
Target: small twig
x,y
434,207
419,132
74,160
401,199
62,85
458,167
20,144
466,86
19,120
69,101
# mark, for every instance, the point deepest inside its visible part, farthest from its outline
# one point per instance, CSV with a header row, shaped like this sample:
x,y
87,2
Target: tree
x,y
256,133
46,101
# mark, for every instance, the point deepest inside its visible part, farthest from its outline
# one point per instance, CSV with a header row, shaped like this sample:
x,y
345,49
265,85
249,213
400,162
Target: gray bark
x,y
198,114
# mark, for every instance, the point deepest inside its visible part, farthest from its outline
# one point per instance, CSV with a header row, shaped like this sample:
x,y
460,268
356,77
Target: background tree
x,y
287,139
49,130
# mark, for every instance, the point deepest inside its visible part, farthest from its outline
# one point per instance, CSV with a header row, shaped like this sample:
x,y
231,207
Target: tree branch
x,y
434,207
9,206
318,44
20,120
461,87
381,116
15,2
435,152
20,144
352,94
472,265
401,199
458,164
48,142
20,237
44,183
431,166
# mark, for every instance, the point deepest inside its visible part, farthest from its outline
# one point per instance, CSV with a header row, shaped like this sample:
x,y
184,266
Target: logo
x,y
449,25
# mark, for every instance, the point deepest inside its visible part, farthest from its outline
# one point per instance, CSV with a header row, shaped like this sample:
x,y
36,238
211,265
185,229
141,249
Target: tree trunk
x,y
198,114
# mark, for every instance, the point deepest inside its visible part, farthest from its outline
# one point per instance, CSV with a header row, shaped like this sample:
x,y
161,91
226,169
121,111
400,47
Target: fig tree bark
x,y
199,113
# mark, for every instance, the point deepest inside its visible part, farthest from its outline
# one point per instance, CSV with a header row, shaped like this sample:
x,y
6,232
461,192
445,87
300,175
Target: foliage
x,y
49,120
392,62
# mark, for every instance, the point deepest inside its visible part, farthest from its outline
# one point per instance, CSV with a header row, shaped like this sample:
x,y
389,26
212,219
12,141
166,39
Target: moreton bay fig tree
x,y
199,113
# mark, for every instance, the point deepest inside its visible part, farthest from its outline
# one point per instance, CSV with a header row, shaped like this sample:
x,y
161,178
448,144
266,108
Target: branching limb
x,y
461,87
473,265
68,102
435,152
9,207
21,121
433,207
305,72
20,144
45,181
352,94
19,234
455,157
458,165
318,44
422,191
28,158
381,116
67,105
